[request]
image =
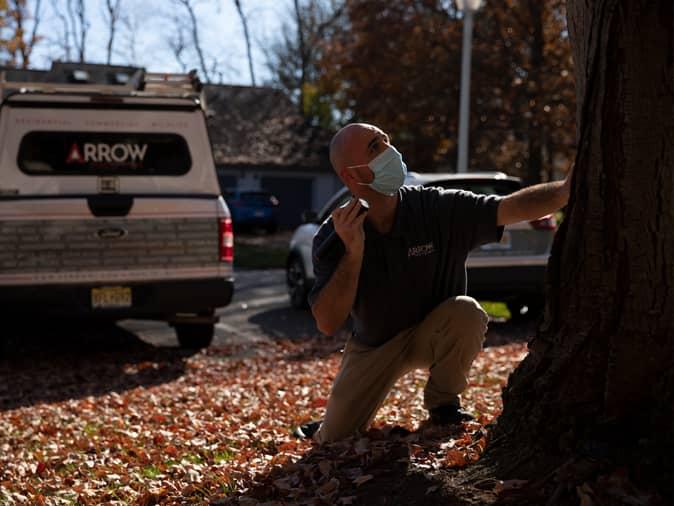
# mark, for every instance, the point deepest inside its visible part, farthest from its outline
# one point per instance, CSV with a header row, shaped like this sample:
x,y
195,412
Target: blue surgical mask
x,y
389,171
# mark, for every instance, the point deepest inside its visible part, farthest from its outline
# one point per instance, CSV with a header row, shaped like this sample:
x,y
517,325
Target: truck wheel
x,y
194,336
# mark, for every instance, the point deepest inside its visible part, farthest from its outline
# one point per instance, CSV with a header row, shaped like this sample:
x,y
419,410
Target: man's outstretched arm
x,y
534,201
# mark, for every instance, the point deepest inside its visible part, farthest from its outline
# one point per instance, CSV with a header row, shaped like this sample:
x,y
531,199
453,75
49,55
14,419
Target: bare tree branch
x,y
113,9
292,57
84,27
34,38
78,22
16,20
73,25
194,30
131,24
17,14
244,23
302,53
64,42
177,43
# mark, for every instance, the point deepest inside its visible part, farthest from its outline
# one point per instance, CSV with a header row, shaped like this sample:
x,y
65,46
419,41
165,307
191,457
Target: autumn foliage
x,y
151,426
397,64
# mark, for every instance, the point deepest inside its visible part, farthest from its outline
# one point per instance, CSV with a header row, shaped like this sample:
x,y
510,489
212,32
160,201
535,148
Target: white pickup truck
x,y
110,207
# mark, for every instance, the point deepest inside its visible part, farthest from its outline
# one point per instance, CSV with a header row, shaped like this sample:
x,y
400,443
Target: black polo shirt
x,y
418,264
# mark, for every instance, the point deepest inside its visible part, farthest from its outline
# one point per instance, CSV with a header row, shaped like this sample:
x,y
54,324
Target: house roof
x,y
260,126
250,127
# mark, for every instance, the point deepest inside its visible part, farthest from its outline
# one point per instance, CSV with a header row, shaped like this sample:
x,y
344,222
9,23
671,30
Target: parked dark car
x,y
512,271
253,209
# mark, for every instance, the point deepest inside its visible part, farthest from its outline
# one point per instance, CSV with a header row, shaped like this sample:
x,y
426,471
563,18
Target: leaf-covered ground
x,y
153,426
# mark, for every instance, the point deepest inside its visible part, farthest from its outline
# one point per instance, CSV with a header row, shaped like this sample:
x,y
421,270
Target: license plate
x,y
111,297
504,243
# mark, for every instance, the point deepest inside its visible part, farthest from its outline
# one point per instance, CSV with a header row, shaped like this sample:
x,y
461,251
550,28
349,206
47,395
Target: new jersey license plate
x,y
111,297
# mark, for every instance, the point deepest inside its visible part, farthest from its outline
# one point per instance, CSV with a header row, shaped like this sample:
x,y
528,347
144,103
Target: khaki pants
x,y
446,342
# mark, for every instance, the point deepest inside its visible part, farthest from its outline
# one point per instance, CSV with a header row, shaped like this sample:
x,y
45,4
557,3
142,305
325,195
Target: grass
x,y
194,459
91,429
151,472
496,309
222,456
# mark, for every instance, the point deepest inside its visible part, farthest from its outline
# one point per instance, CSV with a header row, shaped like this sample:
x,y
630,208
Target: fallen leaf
x,y
194,429
41,468
328,488
325,467
362,479
504,486
455,458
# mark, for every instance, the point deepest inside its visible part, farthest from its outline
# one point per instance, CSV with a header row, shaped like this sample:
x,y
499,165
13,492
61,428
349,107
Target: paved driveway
x,y
259,310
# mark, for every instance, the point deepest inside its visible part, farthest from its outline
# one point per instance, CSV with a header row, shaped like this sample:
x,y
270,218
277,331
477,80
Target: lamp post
x,y
468,7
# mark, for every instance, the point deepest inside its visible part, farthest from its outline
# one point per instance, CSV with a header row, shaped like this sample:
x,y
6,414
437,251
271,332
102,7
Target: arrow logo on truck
x,y
74,155
100,152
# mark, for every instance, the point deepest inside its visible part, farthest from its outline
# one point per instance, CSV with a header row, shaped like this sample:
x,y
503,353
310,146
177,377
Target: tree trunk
x,y
596,390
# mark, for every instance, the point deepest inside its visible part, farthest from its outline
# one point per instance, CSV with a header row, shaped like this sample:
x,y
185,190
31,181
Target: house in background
x,y
259,140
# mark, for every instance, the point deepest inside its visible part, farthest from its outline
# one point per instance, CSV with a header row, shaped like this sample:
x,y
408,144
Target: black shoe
x,y
307,430
449,414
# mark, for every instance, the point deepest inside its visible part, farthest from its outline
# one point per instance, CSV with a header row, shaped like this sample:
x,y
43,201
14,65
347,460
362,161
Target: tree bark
x,y
597,387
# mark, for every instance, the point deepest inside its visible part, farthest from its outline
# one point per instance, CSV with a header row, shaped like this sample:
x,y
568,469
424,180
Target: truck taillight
x,y
545,223
226,240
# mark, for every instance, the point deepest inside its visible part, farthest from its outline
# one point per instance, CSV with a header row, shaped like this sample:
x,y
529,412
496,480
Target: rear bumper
x,y
152,300
506,282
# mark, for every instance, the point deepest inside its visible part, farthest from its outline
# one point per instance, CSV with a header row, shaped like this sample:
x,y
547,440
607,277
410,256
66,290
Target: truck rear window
x,y
103,153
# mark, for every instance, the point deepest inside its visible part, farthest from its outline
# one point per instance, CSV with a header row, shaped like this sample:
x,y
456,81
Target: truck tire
x,y
194,336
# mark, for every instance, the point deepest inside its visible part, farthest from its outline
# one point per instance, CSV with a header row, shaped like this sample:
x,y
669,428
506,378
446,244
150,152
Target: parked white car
x,y
110,207
512,270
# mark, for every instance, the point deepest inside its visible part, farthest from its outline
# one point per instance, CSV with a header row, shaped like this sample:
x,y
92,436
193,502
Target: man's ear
x,y
356,175
347,177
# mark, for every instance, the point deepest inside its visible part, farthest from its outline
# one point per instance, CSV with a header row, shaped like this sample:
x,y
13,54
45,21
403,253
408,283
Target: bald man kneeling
x,y
404,287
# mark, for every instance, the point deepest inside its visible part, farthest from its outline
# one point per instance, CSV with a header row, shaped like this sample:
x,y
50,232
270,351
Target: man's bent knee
x,y
469,311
